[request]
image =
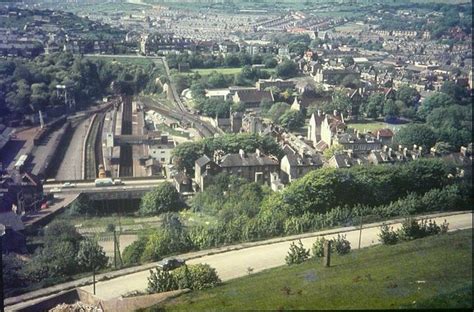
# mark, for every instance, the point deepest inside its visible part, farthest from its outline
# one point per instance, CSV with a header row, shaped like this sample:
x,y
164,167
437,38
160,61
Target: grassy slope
x,y
431,272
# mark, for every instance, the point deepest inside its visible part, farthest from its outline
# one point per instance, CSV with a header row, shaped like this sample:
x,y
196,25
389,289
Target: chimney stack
x,y
400,148
335,113
242,153
319,113
405,152
258,153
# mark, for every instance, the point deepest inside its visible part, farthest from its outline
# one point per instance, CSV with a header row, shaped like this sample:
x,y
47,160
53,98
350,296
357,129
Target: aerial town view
x,y
226,155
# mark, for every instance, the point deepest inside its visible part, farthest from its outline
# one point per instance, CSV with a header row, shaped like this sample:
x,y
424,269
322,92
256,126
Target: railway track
x,y
91,147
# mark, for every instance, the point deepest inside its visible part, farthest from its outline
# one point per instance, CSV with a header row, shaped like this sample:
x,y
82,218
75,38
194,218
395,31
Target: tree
x,y
351,81
292,120
374,106
163,198
297,254
216,80
340,102
408,95
436,100
287,69
390,109
347,61
81,206
61,231
133,252
91,256
333,150
455,91
419,134
277,110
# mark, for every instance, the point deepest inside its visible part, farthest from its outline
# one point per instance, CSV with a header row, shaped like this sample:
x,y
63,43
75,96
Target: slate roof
x,y
254,95
249,160
203,160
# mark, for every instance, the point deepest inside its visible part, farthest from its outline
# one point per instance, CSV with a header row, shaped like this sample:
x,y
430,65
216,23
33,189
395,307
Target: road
x,y
59,202
233,264
89,187
71,165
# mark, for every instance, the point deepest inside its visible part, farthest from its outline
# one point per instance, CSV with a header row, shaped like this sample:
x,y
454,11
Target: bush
x,y
297,254
387,235
132,253
163,198
317,250
161,281
197,276
341,245
91,256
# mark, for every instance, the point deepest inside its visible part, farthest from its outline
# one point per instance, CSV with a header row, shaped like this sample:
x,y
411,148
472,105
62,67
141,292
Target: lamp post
x,y
2,233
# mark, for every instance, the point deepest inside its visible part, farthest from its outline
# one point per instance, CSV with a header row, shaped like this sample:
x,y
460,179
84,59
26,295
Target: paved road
x,y
71,165
60,202
233,264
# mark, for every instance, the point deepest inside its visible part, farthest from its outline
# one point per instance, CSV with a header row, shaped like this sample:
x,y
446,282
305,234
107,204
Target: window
x,y
163,160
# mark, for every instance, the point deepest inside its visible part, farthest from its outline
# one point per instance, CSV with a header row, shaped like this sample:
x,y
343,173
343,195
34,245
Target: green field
x,y
140,61
223,70
426,273
373,126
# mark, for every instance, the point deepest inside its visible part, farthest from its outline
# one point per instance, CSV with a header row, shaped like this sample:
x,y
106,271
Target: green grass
x,y
426,273
140,61
222,70
373,126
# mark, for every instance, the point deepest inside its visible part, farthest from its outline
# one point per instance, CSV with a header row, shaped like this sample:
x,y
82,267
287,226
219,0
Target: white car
x,y
68,185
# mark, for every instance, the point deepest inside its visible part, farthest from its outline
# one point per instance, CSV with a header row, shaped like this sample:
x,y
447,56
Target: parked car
x,y
170,263
68,185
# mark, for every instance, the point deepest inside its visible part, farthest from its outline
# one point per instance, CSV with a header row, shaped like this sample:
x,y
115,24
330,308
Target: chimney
x,y
384,148
335,113
400,148
390,151
319,113
415,147
420,149
242,153
463,151
258,153
433,151
405,152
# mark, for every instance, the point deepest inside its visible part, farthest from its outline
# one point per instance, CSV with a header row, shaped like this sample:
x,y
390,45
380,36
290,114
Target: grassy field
x,y
223,70
140,61
426,273
373,126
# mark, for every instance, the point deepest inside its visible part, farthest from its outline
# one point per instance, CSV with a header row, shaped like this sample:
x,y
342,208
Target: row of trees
x,y
64,252
30,85
241,59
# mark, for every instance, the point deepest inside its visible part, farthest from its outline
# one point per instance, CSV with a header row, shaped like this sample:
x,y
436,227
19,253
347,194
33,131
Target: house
x,y
162,150
254,167
204,170
385,136
252,97
218,94
182,183
263,84
252,124
295,165
24,189
357,142
346,160
323,127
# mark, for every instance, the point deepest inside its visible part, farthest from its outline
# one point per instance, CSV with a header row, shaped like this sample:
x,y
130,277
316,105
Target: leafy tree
x,y
419,134
133,252
270,62
390,109
278,110
61,231
91,256
374,106
81,206
455,91
297,254
408,95
436,100
216,80
332,150
347,61
292,120
163,198
287,69
350,81
340,102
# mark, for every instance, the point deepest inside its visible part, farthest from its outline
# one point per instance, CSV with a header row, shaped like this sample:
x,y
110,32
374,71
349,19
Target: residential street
x,y
234,264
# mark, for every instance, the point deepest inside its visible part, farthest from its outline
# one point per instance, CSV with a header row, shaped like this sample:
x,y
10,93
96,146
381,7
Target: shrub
x,y
297,254
387,235
197,276
161,281
91,255
317,250
341,245
132,253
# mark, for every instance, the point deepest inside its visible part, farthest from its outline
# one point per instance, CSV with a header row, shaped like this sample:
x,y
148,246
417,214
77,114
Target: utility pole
x,y
115,250
360,229
93,280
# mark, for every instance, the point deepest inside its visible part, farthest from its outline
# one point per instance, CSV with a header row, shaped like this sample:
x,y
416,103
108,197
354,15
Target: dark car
x,y
170,263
